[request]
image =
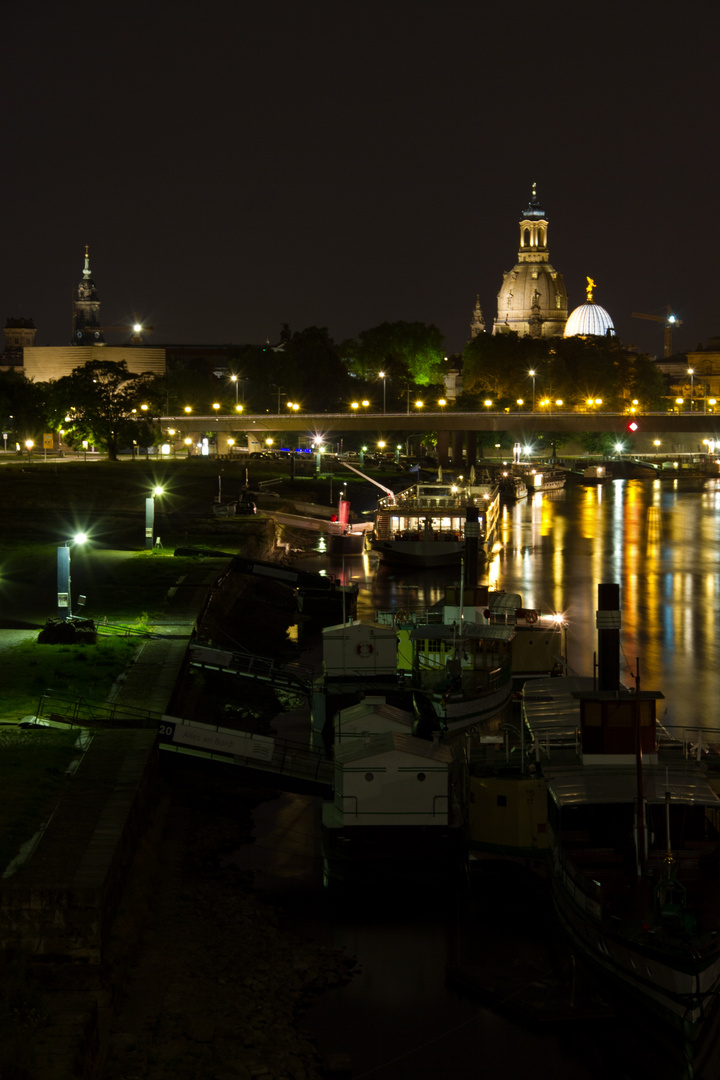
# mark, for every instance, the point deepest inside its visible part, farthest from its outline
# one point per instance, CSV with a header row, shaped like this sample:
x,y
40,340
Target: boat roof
x,y
551,707
470,631
505,603
354,713
371,745
582,786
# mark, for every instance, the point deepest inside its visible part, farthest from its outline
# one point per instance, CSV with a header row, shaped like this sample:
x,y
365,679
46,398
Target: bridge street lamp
x,y
691,373
531,373
383,376
64,594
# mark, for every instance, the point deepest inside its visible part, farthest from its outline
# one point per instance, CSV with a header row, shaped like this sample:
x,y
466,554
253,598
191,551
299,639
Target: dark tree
x,y
101,401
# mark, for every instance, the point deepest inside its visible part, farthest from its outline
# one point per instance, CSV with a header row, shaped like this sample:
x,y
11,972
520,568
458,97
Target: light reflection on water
x,y
660,540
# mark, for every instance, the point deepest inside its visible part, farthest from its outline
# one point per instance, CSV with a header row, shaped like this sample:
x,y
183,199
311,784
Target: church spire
x,y
86,310
477,326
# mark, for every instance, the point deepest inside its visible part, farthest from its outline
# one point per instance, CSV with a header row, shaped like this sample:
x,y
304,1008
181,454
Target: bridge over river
x,y
524,424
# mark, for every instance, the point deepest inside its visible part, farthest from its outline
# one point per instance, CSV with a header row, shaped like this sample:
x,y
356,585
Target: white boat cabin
x,y
358,649
390,779
372,716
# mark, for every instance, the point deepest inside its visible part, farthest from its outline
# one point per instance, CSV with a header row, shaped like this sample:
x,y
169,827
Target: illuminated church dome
x,y
589,319
532,300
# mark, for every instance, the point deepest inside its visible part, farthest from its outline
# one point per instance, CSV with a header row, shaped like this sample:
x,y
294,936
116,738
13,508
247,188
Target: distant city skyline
x,y
347,165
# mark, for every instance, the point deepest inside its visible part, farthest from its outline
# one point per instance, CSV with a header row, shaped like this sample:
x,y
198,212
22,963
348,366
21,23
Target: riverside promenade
x,y
59,902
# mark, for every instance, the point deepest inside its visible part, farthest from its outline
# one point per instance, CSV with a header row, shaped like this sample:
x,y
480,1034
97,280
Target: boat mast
x,y
641,833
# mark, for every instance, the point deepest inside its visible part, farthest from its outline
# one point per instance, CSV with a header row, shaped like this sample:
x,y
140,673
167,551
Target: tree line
x,y
110,407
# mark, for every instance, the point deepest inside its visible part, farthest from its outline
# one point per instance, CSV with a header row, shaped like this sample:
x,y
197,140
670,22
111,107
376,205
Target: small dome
x,y
589,319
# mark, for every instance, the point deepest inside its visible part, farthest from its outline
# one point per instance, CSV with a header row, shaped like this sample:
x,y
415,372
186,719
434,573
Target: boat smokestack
x,y
608,628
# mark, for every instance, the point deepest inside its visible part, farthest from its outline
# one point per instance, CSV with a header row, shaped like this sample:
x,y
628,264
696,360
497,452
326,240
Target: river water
x,y
397,1019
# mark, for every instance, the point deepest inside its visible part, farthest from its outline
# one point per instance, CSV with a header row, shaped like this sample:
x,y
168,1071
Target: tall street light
x,y
150,517
532,374
383,376
691,373
64,595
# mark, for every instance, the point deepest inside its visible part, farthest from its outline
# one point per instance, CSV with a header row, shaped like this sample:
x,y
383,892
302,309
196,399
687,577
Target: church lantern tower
x,y
532,300
86,310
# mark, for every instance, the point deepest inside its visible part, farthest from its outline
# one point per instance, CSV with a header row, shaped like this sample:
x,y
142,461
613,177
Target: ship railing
x,y
387,616
691,741
555,742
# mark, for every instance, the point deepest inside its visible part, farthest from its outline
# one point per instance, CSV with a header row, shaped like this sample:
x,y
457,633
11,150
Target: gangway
x,y
287,676
73,710
292,765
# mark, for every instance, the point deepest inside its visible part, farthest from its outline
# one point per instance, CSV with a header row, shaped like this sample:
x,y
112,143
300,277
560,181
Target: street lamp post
x,y
532,374
691,373
234,378
64,593
150,517
383,376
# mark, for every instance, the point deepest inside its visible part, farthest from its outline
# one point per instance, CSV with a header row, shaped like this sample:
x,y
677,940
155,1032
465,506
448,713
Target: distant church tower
x,y
477,326
86,310
532,300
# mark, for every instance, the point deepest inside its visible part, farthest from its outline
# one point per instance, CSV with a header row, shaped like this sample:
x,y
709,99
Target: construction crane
x,y
670,321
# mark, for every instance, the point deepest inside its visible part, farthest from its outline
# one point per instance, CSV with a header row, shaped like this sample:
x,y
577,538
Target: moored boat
x,y
540,478
428,524
633,828
512,486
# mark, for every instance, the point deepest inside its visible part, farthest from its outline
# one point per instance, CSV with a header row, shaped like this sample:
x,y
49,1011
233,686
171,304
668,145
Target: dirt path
x,y
215,986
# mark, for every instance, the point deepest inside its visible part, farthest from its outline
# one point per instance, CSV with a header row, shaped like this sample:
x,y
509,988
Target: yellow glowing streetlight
x,y
355,405
216,405
419,404
188,408
520,402
238,408
559,401
144,408
231,442
487,403
269,441
442,403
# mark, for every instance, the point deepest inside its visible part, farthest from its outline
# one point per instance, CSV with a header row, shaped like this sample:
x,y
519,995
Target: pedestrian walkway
x,y
150,681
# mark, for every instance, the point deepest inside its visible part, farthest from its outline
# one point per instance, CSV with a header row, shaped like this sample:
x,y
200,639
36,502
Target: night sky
x,y
239,165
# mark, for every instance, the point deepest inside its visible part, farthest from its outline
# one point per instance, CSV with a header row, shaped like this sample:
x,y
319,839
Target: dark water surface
x,y
397,1019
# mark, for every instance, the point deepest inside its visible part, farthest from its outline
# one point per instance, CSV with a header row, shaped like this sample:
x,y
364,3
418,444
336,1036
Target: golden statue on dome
x,y
589,289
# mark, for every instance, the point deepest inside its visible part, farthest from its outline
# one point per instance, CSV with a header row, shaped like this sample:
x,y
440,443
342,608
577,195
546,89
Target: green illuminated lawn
x,y
32,777
27,669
